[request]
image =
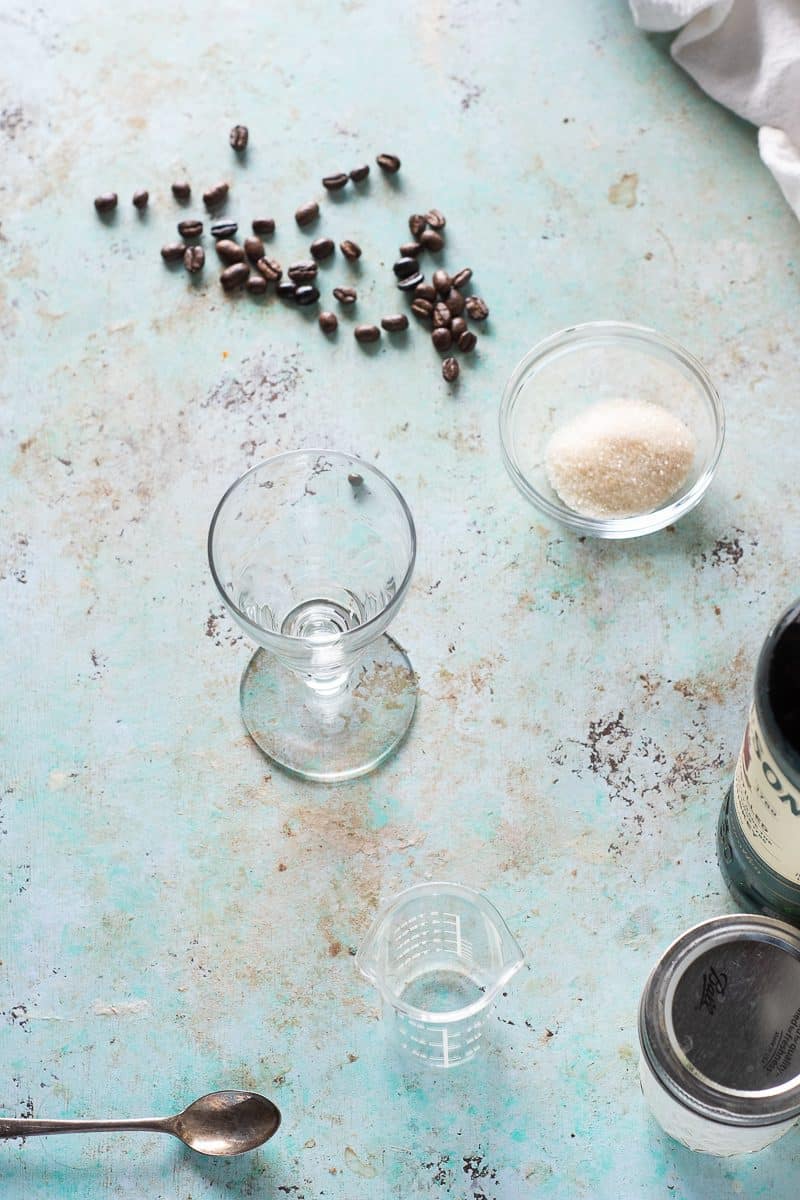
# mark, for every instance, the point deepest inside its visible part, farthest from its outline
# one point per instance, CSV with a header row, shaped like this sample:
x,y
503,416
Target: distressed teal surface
x,y
176,916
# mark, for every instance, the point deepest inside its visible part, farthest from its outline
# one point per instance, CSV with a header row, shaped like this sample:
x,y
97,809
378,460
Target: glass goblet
x,y
312,552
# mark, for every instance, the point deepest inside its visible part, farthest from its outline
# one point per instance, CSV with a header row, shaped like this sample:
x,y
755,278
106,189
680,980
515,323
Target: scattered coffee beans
x,y
181,191
457,327
366,333
270,269
256,285
190,229
435,219
345,295
254,248
106,203
194,259
239,137
417,224
334,182
462,277
410,282
441,281
455,302
229,252
395,324
286,289
322,248
234,276
359,174
441,314
351,250
468,341
389,163
431,240
264,226
140,199
328,321
224,229
306,294
303,272
477,308
425,291
442,338
307,213
450,370
173,251
410,249
422,308
217,195
405,267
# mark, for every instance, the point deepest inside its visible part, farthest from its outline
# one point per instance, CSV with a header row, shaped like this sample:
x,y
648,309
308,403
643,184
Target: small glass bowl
x,y
607,360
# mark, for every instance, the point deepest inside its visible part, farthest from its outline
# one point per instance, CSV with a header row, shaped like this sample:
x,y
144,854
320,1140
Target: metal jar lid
x,y
719,1020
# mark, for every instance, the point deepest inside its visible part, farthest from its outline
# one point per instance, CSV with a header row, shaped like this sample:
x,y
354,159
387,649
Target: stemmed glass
x,y
312,552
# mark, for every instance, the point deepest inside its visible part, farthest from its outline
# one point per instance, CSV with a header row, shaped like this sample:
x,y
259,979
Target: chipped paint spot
x,y
357,1165
624,191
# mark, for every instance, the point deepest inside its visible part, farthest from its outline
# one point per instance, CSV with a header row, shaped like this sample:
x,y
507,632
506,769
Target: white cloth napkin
x,y
746,54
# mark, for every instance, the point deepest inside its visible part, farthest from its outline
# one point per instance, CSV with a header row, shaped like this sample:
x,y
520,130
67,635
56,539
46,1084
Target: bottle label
x,y
767,804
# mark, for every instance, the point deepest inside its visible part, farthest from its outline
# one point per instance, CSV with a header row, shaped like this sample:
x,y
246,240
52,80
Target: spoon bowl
x,y
227,1123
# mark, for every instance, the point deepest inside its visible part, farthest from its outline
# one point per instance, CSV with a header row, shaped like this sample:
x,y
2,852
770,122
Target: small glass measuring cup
x,y
439,953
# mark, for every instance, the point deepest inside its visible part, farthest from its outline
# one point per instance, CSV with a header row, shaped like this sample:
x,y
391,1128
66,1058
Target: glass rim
x,y
571,337
346,634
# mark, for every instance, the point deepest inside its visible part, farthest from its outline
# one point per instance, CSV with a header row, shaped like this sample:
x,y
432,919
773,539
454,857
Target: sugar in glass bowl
x,y
601,361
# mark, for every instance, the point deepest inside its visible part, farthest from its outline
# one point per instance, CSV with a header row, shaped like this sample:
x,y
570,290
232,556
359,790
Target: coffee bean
x,y
286,289
190,229
412,281
181,191
441,314
334,182
359,174
270,269
355,480
441,281
457,327
477,308
303,272
217,195
389,163
405,267
256,285
264,226
431,240
194,259
230,252
328,321
395,324
351,250
468,341
422,308
140,199
224,229
461,277
307,213
417,224
450,370
322,248
106,203
455,302
442,338
366,333
410,249
306,294
234,276
254,248
173,251
345,295
238,137
435,219
425,291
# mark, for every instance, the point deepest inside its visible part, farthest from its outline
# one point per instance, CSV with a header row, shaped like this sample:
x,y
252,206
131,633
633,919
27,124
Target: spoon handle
x,y
11,1127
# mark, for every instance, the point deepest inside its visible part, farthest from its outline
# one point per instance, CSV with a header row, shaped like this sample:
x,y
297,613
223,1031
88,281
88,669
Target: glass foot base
x,y
330,738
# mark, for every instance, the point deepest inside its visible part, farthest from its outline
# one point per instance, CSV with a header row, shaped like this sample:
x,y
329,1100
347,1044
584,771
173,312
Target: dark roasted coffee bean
x,y
405,267
322,248
306,294
256,285
455,302
441,314
408,285
194,259
264,226
431,240
239,137
328,321
422,308
416,223
334,182
441,281
345,295
181,191
235,276
303,272
435,219
366,333
425,291
410,249
229,252
106,203
270,269
224,229
190,229
359,174
462,277
389,163
477,308
217,195
450,370
457,327
173,251
351,250
286,289
442,338
468,341
254,248
307,213
395,324
140,199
